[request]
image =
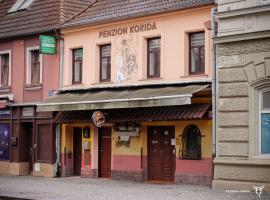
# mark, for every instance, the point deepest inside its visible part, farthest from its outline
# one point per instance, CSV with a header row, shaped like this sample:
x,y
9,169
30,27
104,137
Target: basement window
x,y
20,5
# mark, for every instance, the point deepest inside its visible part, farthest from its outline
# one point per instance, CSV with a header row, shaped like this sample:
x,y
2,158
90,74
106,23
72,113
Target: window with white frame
x,y
34,67
5,68
264,122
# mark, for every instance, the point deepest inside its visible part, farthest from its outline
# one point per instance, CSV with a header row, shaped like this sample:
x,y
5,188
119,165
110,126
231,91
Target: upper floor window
x,y
191,142
77,61
20,5
197,53
34,67
5,59
265,122
153,58
105,63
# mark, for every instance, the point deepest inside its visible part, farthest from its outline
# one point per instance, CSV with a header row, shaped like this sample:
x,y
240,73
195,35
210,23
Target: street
x,y
98,189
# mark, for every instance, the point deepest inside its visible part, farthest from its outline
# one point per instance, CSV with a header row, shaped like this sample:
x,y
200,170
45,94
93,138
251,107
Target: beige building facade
x,y
243,71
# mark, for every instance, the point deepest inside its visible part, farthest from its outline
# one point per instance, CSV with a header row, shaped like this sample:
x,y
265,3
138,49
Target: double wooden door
x,y
105,147
161,153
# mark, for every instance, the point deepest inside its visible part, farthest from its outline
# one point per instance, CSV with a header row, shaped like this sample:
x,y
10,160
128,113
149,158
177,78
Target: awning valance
x,y
121,98
164,113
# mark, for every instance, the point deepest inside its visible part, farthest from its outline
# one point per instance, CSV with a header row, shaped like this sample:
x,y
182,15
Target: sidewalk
x,y
100,189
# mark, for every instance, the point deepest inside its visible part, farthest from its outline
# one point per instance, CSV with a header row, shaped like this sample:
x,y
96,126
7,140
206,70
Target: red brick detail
x,y
193,179
89,173
129,175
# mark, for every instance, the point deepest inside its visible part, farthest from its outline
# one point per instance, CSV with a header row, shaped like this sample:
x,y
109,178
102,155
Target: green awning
x,y
112,98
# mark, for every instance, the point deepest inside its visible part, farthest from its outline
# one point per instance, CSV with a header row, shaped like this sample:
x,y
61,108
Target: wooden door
x,y
77,150
26,144
30,148
104,152
161,153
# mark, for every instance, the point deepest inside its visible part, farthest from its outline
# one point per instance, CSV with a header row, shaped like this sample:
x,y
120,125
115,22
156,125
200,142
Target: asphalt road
x,y
76,188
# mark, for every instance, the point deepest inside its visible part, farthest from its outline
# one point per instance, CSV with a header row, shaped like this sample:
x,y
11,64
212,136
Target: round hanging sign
x,y
98,118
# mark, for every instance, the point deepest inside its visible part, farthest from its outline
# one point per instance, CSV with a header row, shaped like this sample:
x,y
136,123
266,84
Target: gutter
x,y
134,85
214,75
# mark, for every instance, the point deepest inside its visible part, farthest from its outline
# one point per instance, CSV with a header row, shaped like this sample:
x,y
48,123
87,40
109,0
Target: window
x,y
34,67
265,122
77,66
5,63
20,5
105,63
153,58
197,53
4,144
191,143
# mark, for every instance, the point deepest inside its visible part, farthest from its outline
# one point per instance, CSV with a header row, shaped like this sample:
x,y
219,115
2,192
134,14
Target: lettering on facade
x,y
126,30
4,113
28,112
124,133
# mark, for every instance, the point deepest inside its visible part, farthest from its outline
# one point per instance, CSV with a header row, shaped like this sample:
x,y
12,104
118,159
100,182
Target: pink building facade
x,y
27,77
136,97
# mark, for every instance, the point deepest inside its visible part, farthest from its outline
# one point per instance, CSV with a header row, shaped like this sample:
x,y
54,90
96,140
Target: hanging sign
x,y
98,118
47,44
125,132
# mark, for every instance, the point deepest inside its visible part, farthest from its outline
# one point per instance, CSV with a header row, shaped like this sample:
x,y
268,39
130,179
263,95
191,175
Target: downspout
x,y
58,126
58,150
214,73
60,84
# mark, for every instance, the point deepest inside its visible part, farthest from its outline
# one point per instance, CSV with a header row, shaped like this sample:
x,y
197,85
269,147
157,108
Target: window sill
x,y
33,87
195,75
4,89
101,83
190,159
263,157
151,79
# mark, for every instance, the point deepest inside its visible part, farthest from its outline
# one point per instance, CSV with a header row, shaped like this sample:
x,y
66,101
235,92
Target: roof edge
x,y
128,17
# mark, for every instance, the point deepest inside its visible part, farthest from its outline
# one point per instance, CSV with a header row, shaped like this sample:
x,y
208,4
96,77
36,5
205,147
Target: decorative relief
x,y
126,59
244,47
248,23
256,72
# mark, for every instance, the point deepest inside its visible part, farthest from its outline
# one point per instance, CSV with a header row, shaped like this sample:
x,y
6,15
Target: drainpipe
x,y
213,64
58,150
61,63
58,126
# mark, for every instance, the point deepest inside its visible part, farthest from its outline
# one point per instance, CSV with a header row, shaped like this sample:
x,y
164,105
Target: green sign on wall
x,y
47,44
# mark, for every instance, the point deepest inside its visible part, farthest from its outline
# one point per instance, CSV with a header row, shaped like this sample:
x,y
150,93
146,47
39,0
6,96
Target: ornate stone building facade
x,y
243,85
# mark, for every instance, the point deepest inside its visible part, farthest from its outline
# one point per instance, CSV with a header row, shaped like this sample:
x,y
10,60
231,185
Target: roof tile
x,y
107,10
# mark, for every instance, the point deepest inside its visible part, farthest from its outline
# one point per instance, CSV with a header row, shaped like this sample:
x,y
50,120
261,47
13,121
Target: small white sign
x,y
173,142
37,167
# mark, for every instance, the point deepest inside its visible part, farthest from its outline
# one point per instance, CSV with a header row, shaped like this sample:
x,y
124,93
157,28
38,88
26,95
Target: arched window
x,y
265,122
259,122
191,142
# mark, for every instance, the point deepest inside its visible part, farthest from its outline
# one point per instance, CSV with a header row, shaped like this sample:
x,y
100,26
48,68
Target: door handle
x,y
174,151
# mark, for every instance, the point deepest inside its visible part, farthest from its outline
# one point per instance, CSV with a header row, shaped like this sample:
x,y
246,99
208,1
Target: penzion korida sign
x,y
128,30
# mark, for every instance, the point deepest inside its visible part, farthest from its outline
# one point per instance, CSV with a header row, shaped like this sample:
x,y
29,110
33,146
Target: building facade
x,y
243,138
28,76
136,96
